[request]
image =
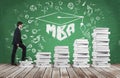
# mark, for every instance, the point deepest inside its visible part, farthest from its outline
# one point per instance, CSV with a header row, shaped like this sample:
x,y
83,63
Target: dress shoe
x,y
14,64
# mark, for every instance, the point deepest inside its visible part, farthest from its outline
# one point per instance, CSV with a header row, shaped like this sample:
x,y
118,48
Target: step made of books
x,y
61,56
43,59
101,51
26,63
81,53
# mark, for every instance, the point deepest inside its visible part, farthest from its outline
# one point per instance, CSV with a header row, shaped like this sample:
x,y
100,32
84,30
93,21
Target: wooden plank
x,y
103,72
15,73
40,72
6,69
5,74
95,72
79,72
64,73
115,67
56,73
71,73
113,71
31,73
4,66
23,73
88,73
48,73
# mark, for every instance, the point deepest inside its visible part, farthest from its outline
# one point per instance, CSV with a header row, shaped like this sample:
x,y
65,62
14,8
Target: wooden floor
x,y
8,71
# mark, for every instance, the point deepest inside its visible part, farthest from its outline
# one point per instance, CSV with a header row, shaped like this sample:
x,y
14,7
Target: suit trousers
x,y
23,47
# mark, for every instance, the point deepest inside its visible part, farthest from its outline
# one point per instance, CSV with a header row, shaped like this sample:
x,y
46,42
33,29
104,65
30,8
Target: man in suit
x,y
17,42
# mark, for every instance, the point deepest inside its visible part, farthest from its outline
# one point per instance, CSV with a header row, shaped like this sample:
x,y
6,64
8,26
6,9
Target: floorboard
x,y
9,71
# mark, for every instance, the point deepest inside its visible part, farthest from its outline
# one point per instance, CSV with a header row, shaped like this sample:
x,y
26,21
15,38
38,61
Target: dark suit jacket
x,y
17,37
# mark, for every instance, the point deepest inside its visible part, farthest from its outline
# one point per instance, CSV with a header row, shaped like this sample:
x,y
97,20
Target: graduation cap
x,y
60,24
59,18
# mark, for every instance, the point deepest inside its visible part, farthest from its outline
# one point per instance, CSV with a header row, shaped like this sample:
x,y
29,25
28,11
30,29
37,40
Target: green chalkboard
x,y
50,23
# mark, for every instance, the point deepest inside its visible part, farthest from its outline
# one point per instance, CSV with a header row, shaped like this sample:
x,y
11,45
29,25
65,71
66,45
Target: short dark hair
x,y
19,23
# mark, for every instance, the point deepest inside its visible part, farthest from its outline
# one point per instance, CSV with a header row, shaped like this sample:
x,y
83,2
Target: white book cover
x,y
81,46
81,40
61,50
101,47
61,56
61,61
102,50
80,49
61,47
85,65
102,44
101,39
96,42
81,60
81,56
77,52
99,34
101,29
103,65
81,43
101,59
98,53
45,57
43,60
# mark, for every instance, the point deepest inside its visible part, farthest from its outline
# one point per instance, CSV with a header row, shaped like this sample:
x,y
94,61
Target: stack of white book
x,y
81,53
101,51
61,56
26,63
43,59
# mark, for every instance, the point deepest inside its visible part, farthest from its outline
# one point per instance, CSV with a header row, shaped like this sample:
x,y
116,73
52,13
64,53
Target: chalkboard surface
x,y
50,23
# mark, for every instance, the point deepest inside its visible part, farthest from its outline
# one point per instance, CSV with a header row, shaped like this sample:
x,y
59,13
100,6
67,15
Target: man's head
x,y
19,24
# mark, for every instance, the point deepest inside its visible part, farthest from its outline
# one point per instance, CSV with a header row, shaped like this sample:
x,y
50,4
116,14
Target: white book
x,y
43,60
102,44
100,39
81,50
61,50
77,65
81,56
26,63
61,47
83,40
101,59
61,60
101,47
43,65
103,65
77,52
80,45
81,60
101,50
61,56
58,65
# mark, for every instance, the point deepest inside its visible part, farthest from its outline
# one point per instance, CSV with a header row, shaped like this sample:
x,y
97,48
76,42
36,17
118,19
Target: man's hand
x,y
18,45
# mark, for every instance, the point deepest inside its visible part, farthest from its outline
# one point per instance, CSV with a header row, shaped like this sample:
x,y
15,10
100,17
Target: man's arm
x,y
17,37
